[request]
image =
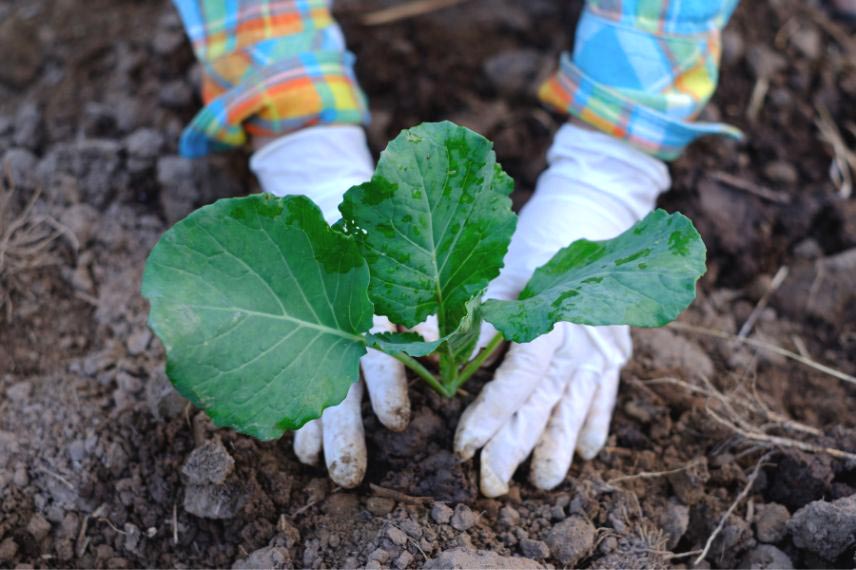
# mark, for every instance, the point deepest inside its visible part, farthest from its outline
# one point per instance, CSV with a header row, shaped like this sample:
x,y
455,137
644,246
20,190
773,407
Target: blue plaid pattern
x,y
642,70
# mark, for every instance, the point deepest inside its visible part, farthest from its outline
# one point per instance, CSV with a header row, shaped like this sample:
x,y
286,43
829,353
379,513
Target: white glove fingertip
x,y
307,443
554,453
524,367
595,431
344,441
387,386
491,483
386,382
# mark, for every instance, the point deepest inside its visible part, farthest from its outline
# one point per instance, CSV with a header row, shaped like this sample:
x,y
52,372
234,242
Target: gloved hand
x,y
556,394
323,163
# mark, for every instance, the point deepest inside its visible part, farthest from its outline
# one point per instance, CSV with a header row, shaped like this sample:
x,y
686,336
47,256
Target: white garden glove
x,y
323,163
556,394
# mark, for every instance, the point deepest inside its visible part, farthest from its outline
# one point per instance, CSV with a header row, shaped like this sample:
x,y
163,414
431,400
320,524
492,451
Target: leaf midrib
x,y
284,317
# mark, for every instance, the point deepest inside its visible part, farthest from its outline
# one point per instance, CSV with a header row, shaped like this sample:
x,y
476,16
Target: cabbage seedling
x,y
264,309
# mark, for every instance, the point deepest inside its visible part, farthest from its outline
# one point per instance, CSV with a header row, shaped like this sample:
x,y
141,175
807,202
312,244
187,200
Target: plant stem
x,y
448,372
476,363
422,372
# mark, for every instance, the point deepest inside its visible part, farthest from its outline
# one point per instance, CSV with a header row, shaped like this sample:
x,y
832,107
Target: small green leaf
x,y
645,277
409,343
433,223
461,342
261,308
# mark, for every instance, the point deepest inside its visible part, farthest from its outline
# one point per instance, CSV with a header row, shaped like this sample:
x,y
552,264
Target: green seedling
x,y
264,309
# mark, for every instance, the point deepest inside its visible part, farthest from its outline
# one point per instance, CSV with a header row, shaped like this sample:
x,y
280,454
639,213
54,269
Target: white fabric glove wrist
x,y
320,162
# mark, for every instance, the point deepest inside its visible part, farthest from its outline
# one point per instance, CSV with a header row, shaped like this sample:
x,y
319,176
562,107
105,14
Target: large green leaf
x,y
261,307
645,277
433,223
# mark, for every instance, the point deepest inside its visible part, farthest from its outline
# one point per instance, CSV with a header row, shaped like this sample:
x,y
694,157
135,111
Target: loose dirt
x,y
103,465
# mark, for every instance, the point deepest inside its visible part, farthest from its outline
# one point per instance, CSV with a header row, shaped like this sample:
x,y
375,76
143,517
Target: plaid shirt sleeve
x,y
642,70
269,67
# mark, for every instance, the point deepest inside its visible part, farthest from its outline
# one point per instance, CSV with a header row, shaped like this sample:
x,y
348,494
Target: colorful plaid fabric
x,y
269,67
642,70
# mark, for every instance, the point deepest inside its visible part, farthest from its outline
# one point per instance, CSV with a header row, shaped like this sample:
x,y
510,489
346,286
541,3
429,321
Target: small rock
x,y
341,505
22,52
571,540
215,501
403,561
132,538
509,517
18,166
513,72
735,538
143,147
676,519
94,164
808,249
175,94
771,522
827,529
733,46
671,351
19,391
82,220
380,506
77,450
168,36
263,558
138,341
463,518
764,62
38,527
781,172
379,555
458,558
8,550
179,192
822,289
29,128
441,513
208,463
808,41
534,549
99,120
163,401
688,484
21,478
396,535
128,383
766,556
411,527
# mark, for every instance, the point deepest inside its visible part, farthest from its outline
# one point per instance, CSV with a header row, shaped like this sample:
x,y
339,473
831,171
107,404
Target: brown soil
x,y
95,449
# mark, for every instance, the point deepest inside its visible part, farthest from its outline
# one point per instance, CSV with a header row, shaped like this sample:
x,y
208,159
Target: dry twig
x,y
775,283
750,187
843,167
768,347
26,238
652,474
406,11
756,435
740,497
398,495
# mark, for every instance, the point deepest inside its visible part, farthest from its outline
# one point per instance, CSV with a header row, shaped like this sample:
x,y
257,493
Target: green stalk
x,y
448,372
476,363
422,372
